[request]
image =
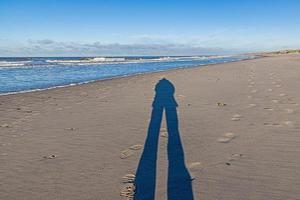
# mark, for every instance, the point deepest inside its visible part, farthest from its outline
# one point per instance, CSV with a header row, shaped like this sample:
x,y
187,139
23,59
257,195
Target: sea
x,y
22,74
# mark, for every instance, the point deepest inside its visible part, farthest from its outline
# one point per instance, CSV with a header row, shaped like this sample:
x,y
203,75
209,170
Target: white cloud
x,y
47,47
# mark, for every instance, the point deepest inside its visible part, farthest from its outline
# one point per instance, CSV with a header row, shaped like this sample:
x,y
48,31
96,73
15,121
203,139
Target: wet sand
x,y
239,125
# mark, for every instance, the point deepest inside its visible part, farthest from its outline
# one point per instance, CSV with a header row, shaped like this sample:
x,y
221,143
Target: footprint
x,y
128,191
5,126
271,124
289,110
251,105
268,109
128,178
126,153
275,100
227,137
164,132
50,157
194,167
236,117
136,147
235,156
221,104
288,123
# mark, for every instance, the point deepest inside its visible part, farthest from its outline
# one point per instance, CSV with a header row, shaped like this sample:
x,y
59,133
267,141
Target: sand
x,y
67,143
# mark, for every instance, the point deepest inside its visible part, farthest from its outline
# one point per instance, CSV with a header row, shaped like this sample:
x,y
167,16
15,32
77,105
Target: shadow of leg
x,y
146,171
179,179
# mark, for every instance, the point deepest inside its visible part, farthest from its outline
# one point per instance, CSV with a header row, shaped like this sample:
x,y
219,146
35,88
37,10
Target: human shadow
x,y
179,179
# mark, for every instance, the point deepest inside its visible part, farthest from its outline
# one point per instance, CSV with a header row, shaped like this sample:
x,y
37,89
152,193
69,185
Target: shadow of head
x,y
164,94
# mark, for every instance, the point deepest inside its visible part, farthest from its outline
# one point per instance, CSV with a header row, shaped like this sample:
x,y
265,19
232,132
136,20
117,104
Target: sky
x,y
152,27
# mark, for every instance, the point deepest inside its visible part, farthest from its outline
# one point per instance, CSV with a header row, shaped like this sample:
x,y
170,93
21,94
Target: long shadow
x,y
179,179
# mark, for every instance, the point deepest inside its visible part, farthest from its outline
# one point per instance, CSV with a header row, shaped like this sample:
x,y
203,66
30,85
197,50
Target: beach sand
x,y
239,125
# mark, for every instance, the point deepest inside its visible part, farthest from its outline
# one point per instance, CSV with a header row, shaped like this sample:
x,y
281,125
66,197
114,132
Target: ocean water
x,y
26,74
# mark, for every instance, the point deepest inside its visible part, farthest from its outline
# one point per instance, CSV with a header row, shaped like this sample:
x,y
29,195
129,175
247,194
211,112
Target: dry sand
x,y
69,143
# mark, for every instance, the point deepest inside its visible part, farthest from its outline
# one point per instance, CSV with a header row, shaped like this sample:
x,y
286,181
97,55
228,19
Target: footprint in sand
x,y
252,105
126,153
5,126
128,178
271,124
289,110
235,156
163,132
270,109
136,147
194,167
236,117
130,151
180,97
288,123
227,137
274,100
128,191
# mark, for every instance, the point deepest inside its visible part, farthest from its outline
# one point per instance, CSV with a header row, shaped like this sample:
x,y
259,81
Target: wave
x,y
79,61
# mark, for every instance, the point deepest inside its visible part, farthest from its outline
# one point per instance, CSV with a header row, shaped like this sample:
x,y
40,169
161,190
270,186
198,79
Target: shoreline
x,y
125,76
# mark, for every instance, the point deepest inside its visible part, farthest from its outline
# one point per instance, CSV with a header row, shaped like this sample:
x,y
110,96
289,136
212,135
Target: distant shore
x,y
238,125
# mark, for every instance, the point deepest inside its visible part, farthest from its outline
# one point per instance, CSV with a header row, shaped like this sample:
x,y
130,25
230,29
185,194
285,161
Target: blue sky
x,y
127,27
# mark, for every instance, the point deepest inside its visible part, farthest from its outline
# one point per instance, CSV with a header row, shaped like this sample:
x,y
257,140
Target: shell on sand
x,y
126,153
136,147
